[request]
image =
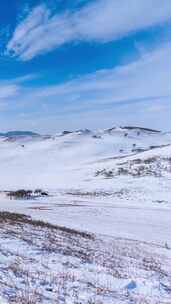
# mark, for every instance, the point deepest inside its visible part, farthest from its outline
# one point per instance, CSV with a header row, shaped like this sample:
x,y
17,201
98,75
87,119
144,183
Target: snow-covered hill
x,y
106,224
64,160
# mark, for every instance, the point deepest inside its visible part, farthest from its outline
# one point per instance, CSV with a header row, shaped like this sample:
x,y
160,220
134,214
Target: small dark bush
x,y
26,194
44,194
19,194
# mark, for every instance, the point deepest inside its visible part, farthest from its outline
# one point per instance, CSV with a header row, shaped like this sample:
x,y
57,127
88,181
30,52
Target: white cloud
x,y
147,77
136,93
10,89
7,91
100,20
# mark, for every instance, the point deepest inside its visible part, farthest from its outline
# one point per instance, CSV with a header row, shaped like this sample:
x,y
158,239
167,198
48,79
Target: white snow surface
x,y
113,183
64,161
128,205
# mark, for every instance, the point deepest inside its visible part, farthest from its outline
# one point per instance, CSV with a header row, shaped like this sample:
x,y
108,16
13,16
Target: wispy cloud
x,y
137,93
101,20
7,91
13,88
147,77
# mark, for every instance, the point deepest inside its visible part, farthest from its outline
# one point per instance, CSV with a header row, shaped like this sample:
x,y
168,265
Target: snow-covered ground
x,y
40,263
67,161
114,184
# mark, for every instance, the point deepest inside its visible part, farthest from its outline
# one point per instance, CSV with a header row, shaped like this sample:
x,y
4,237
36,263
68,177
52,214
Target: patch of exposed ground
x,y
153,166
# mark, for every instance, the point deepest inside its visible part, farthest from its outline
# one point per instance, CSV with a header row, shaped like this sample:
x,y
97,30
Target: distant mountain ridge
x,y
140,128
79,132
133,128
19,133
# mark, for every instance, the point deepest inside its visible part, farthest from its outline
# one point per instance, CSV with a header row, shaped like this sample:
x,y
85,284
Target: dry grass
x,y
53,264
15,218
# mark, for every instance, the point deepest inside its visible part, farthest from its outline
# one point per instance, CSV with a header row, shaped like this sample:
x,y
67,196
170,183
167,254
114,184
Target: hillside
x,y
65,159
101,233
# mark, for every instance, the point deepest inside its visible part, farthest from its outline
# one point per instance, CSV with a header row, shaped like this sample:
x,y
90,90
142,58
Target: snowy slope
x,y
94,177
59,161
114,184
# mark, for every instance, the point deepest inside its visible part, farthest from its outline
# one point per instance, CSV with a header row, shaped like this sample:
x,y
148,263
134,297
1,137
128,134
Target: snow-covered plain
x,y
114,184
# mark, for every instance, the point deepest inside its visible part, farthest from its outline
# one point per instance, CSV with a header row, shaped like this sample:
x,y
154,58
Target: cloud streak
x,y
7,91
13,88
136,93
100,21
147,77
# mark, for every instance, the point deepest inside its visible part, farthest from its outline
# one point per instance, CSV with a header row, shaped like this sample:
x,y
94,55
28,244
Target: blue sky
x,y
84,64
